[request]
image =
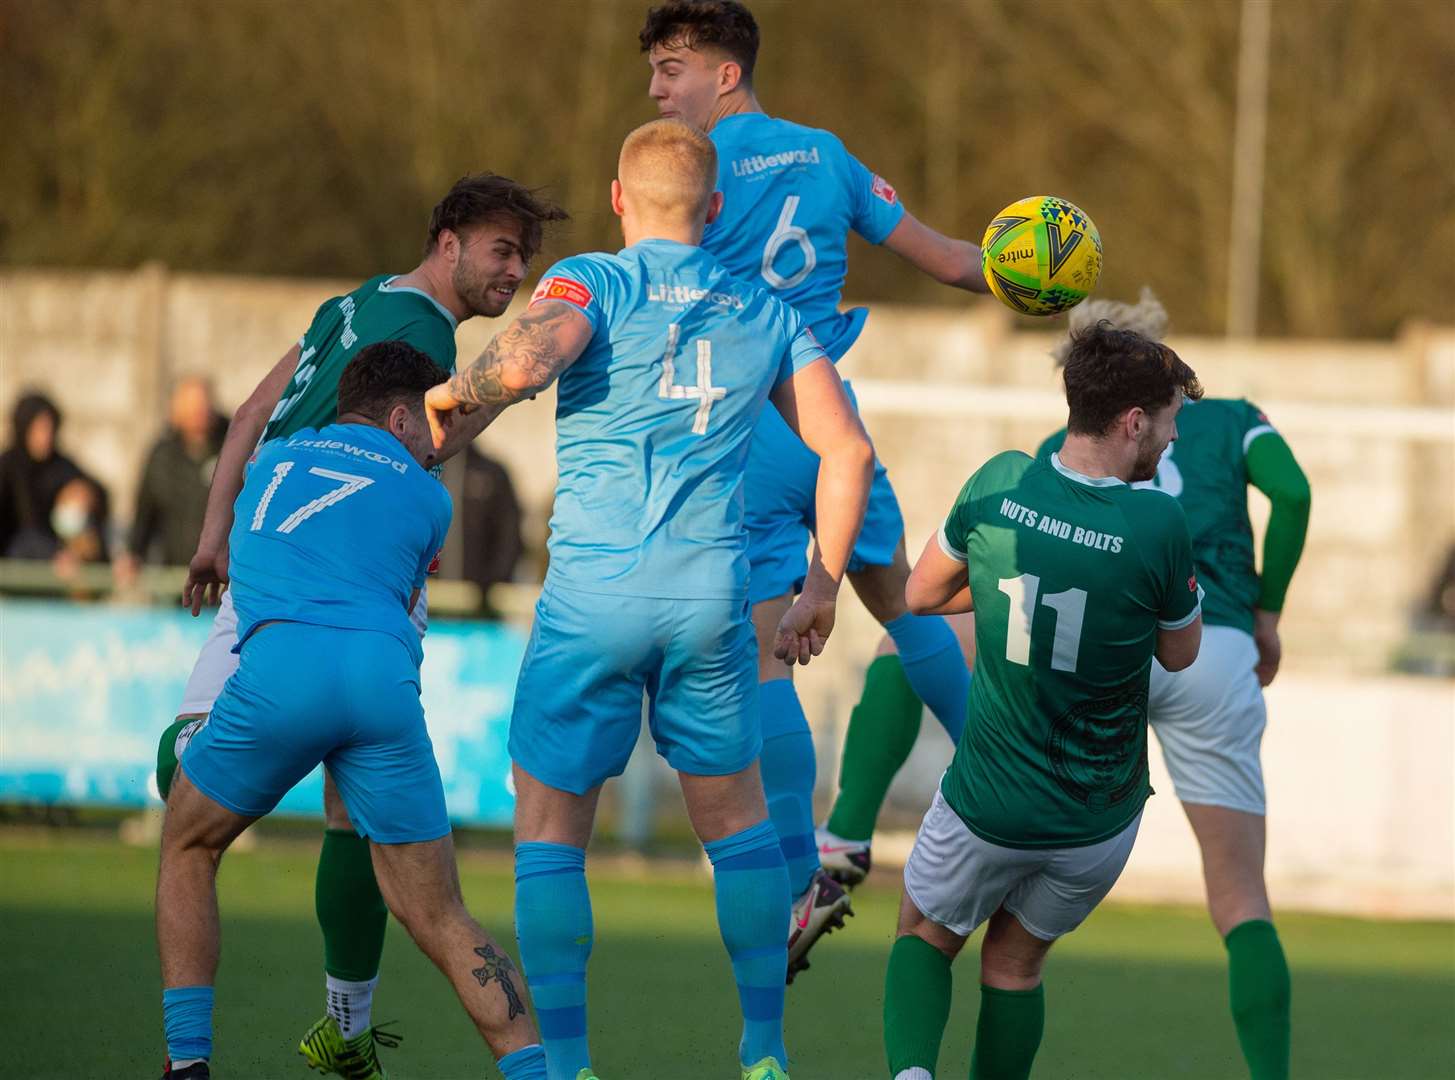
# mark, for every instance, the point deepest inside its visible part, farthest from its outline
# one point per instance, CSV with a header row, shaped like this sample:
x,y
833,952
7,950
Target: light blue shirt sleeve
x,y
877,209
580,282
442,509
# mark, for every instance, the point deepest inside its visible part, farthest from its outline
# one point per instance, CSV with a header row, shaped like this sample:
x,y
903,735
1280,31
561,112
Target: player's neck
x,y
739,101
634,231
433,279
1096,458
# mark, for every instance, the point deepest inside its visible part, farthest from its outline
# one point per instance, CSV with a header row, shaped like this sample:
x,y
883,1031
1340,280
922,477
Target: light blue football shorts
x,y
578,702
306,694
778,494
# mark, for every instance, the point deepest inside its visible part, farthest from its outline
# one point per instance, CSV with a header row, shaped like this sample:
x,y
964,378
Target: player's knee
x,y
1009,971
170,746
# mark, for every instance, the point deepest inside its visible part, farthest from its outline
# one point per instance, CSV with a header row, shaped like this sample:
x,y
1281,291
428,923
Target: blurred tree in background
x,y
311,138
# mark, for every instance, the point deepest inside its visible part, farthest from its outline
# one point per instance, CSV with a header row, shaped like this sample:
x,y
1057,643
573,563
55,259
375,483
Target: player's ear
x,y
398,421
714,206
729,77
448,246
617,206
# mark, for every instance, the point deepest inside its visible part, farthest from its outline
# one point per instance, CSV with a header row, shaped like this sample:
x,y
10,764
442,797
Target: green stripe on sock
x,y
882,731
916,1004
1260,994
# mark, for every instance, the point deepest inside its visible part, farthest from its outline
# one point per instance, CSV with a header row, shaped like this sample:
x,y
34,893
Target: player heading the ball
x,y
665,362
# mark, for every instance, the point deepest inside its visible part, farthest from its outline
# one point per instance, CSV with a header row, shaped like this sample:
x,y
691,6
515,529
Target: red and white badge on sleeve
x,y
883,189
434,564
562,288
1192,583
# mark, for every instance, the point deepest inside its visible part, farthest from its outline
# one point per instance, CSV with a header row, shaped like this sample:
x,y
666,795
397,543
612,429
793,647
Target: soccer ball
x,y
1041,255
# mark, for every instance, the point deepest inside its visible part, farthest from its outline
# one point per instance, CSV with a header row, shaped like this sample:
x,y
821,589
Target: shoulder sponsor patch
x,y
884,190
562,288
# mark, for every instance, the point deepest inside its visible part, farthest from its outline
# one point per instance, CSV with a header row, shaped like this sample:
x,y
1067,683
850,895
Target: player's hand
x,y
803,629
206,578
442,409
1270,646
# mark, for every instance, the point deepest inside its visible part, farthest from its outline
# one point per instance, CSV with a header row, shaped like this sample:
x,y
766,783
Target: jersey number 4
x,y
1070,609
349,484
704,392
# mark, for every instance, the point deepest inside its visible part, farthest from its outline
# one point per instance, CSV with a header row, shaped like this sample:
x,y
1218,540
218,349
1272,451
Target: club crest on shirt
x,y
884,190
562,288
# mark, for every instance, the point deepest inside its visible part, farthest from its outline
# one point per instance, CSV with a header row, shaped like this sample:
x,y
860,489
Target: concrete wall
x,y
1359,765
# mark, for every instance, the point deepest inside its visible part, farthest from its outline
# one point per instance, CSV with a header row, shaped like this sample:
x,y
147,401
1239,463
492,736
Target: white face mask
x,y
68,520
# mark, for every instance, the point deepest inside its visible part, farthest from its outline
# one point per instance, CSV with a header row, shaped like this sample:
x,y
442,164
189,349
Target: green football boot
x,y
586,1074
767,1069
325,1049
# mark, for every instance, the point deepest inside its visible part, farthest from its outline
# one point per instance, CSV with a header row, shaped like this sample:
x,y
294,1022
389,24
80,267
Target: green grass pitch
x,y
1136,992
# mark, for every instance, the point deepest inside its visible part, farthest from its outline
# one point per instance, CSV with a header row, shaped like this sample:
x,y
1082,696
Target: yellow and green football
x,y
1041,255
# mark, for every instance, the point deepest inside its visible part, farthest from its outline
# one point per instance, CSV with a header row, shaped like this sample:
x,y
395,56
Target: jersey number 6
x,y
785,233
349,484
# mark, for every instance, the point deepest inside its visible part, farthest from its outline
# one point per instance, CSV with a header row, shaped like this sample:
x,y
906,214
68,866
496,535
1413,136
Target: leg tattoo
x,y
497,968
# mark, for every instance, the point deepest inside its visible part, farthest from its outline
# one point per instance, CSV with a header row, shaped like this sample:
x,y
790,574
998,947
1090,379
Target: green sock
x,y
916,1004
350,908
1008,1033
882,731
1259,990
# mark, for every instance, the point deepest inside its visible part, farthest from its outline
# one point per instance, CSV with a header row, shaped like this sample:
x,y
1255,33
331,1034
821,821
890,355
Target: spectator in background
x,y
49,508
485,544
171,498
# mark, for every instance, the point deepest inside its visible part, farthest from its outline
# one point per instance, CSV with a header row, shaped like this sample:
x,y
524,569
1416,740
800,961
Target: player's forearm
x,y
227,477
959,602
1273,470
967,273
842,495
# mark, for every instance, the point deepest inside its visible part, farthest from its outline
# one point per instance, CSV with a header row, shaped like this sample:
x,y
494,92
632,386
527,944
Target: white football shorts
x,y
1209,719
216,662
959,880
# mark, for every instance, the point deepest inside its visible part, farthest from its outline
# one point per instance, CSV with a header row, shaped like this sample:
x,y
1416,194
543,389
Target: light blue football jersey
x,y
335,527
791,194
653,419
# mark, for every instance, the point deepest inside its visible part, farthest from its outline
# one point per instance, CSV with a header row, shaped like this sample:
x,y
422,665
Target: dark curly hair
x,y
484,197
1109,371
386,374
721,24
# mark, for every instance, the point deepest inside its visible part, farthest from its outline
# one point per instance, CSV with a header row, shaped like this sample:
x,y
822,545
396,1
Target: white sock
x,y
915,1073
350,1004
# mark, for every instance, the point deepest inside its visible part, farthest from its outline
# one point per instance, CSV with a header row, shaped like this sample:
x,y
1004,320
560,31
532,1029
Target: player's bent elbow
x,y
1178,649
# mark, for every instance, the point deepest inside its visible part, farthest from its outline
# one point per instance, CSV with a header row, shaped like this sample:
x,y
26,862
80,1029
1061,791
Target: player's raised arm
x,y
521,361
207,573
947,260
816,407
1274,471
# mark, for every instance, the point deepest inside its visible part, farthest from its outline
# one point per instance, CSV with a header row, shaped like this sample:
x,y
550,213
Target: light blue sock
x,y
187,1017
752,912
789,773
553,927
527,1063
935,667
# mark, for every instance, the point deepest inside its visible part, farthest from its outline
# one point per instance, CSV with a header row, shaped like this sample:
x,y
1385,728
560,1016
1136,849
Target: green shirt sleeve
x,y
955,532
1181,596
1273,470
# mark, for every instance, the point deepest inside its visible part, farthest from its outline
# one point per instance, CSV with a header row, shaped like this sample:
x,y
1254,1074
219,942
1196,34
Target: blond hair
x,y
1146,317
668,169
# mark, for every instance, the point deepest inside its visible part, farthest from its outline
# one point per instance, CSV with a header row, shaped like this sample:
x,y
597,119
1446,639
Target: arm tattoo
x,y
520,361
498,968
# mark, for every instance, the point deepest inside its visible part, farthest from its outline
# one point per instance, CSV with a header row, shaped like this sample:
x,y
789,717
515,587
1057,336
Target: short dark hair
x,y
691,24
386,374
1109,371
483,197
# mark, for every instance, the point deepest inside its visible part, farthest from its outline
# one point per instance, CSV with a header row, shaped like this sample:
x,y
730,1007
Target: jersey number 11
x,y
1070,609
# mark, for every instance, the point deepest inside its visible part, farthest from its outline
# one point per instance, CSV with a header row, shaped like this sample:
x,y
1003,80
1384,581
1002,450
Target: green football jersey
x,y
372,313
1071,576
1205,471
